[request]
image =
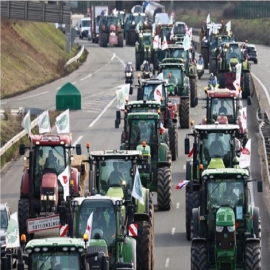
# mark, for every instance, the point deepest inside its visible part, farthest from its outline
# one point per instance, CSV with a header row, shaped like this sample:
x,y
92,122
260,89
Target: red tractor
x,y
45,179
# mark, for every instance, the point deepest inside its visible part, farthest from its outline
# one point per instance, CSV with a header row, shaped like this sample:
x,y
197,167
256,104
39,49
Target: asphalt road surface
x,y
96,79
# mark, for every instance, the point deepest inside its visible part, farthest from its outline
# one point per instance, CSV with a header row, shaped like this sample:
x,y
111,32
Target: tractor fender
x,y
129,251
257,240
141,217
199,240
163,152
75,176
25,183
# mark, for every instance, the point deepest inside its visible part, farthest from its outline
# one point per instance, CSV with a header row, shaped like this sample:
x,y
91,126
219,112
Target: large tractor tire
x,y
257,229
198,256
195,223
184,113
247,86
143,247
138,61
221,80
132,38
253,256
192,201
155,60
152,220
140,93
164,192
120,40
193,92
173,142
205,55
104,40
213,66
23,215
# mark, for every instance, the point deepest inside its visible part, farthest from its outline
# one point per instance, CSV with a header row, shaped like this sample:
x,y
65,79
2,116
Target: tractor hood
x,y
216,163
225,217
115,192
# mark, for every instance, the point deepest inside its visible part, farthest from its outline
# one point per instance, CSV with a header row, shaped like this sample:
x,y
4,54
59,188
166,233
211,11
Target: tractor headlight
x,y
145,50
133,23
219,228
231,228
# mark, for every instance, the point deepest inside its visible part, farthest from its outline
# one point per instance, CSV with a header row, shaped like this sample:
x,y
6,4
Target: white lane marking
x,y
121,61
103,111
184,167
80,137
167,262
173,231
74,82
58,87
35,95
88,76
177,205
93,111
113,57
264,88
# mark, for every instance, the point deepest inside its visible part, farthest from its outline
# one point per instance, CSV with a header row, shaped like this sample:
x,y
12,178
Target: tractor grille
x,y
225,239
97,249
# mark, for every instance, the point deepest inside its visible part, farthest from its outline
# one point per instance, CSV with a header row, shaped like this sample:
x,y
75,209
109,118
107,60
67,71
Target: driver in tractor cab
x,y
99,222
172,78
222,109
116,176
216,148
144,132
51,160
229,193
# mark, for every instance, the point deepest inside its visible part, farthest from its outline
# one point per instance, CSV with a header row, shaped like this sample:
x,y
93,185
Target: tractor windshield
x,y
166,32
152,92
49,157
223,106
226,192
179,53
173,75
55,260
112,21
233,52
217,145
104,220
114,172
138,18
179,29
147,39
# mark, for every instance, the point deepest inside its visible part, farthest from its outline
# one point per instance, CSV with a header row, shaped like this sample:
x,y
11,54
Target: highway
x,y
96,79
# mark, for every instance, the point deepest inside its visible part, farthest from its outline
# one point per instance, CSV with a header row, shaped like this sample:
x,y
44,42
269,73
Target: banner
x,y
62,122
186,43
88,229
155,43
164,45
44,123
244,161
26,123
121,95
64,180
137,191
158,93
13,236
243,115
237,82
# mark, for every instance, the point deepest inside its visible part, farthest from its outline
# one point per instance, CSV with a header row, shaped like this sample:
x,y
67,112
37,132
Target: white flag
x,y
228,27
186,43
237,81
155,42
44,122
137,191
64,180
158,93
208,20
26,123
13,236
245,155
189,32
215,29
164,45
160,76
243,116
62,122
159,43
121,95
88,229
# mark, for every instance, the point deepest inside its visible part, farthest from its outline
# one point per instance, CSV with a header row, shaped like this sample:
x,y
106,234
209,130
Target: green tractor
x,y
226,227
178,88
234,53
54,253
145,133
214,147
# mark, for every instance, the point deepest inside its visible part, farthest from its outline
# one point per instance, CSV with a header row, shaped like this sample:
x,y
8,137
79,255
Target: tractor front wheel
x,y
184,113
164,192
193,92
23,215
205,55
173,142
120,40
198,256
247,86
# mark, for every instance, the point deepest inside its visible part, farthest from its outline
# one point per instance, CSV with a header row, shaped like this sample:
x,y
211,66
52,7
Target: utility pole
x,y
68,31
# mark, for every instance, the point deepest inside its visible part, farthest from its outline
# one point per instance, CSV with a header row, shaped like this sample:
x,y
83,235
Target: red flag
x,y
190,153
89,227
182,184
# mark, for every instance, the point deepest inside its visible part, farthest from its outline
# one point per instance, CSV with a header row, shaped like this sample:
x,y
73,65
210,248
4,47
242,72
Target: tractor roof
x,y
225,92
55,242
227,172
152,81
144,104
143,115
225,128
51,139
116,154
96,197
172,62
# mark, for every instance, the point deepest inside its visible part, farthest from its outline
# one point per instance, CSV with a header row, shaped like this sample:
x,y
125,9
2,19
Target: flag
x,y
228,27
186,43
215,29
137,191
62,122
64,180
89,227
172,34
44,122
160,76
243,117
208,20
13,236
182,184
159,43
190,154
26,123
121,95
164,45
189,32
237,81
244,161
155,43
158,93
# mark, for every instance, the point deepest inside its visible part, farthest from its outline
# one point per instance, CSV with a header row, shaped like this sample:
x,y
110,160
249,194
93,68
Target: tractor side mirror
x,y
78,149
82,169
187,146
22,149
260,186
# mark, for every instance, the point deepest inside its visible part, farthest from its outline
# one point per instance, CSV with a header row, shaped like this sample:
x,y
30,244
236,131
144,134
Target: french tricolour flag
x,y
182,184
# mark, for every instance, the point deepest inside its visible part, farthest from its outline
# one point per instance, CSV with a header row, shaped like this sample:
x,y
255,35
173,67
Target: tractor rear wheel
x,y
192,201
184,113
198,256
193,92
155,61
143,248
132,38
104,40
173,143
247,83
253,256
138,61
213,66
164,192
205,55
152,219
23,215
120,40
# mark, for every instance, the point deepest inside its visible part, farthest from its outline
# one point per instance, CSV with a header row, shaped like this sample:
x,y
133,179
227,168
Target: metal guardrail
x,y
75,58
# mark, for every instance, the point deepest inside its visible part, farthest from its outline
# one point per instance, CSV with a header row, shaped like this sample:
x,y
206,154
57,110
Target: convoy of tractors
x,y
223,226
